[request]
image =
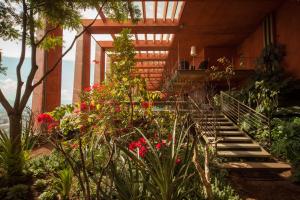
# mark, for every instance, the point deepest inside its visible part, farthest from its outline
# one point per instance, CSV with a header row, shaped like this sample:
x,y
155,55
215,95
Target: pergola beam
x,y
174,10
101,14
149,26
152,56
141,45
165,10
144,10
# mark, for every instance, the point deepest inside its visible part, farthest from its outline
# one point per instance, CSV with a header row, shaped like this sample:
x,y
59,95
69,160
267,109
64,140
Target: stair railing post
x,y
238,120
222,102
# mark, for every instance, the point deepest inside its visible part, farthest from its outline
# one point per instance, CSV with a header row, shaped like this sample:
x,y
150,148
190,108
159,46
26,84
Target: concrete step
x,y
244,146
211,119
227,128
232,139
256,165
230,133
225,123
243,154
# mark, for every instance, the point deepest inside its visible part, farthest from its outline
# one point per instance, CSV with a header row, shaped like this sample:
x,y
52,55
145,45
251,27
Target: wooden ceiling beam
x,y
155,10
165,10
175,5
141,45
149,26
101,14
152,56
144,10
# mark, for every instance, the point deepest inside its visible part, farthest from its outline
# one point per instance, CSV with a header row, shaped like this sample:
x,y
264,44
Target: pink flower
x,y
45,118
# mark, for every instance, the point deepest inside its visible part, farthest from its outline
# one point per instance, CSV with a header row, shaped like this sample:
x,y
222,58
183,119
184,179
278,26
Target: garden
x,y
114,144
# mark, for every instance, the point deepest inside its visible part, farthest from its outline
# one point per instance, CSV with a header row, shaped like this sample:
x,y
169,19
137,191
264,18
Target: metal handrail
x,y
242,115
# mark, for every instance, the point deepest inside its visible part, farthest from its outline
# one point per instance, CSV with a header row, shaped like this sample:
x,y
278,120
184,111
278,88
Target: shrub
x,y
18,192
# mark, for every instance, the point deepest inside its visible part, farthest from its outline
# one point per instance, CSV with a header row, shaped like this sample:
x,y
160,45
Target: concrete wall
x,y
287,28
287,32
250,49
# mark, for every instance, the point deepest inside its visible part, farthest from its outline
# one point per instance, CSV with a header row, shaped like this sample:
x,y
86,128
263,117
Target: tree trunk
x,y
15,132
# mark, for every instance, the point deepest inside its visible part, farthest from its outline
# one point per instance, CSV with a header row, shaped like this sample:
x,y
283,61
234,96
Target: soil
x,y
46,149
264,185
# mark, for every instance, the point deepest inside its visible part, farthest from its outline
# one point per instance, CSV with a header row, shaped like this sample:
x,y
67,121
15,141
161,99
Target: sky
x,y
11,49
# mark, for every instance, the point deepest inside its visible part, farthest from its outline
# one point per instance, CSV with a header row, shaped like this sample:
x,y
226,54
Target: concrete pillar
x,y
102,65
82,65
107,66
99,65
47,95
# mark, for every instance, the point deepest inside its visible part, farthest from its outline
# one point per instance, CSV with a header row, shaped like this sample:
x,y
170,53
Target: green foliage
x,y
286,142
51,42
10,160
223,191
18,192
40,184
64,183
165,176
269,62
8,18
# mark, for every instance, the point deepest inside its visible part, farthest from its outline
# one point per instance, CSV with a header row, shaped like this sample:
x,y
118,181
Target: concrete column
x,y
82,65
47,95
97,65
102,65
107,66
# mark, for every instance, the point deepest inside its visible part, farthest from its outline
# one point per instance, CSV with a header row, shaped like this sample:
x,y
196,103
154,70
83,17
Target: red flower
x,y
178,161
83,106
142,140
87,89
142,151
146,104
45,118
52,126
158,146
140,145
132,146
117,108
74,146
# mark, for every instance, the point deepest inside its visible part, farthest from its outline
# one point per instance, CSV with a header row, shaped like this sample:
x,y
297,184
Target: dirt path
x,y
45,149
262,185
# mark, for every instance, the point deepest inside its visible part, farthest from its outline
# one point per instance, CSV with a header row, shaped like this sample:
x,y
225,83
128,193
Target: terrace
x,y
190,86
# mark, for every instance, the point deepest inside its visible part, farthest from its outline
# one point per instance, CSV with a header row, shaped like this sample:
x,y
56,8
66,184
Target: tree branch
x,y
46,34
5,103
21,61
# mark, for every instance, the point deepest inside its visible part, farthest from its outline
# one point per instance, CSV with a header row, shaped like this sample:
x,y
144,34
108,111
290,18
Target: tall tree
x,y
21,19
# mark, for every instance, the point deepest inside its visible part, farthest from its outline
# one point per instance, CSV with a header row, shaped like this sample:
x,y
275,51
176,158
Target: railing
x,y
206,120
245,117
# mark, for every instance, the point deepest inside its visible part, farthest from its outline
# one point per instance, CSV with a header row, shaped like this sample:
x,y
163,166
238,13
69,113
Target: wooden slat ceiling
x,y
183,24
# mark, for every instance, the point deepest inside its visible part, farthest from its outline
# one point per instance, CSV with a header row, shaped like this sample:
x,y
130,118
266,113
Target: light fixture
x,y
193,51
193,54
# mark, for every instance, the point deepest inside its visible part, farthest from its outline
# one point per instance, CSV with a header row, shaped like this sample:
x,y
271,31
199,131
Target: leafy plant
x,y
165,168
18,192
12,162
64,183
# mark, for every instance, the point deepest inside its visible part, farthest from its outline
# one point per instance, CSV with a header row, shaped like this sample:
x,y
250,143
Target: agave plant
x,y
165,167
64,183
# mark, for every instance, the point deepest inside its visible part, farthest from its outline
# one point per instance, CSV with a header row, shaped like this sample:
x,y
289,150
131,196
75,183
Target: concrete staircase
x,y
235,147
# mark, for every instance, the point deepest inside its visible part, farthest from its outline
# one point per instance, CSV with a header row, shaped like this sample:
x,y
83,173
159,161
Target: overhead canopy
x,y
169,25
